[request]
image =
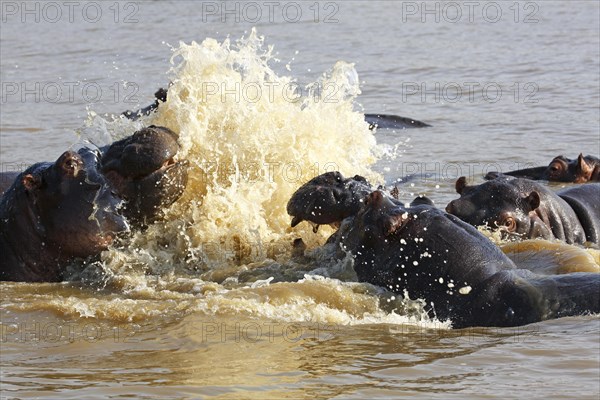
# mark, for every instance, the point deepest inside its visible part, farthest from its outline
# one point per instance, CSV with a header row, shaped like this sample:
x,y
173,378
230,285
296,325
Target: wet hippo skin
x,y
435,256
142,170
328,198
460,274
561,169
522,208
55,213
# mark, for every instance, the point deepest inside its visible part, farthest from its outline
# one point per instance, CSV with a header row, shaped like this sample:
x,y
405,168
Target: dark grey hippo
x,y
142,170
460,274
435,256
328,199
55,213
6,180
561,169
380,121
525,209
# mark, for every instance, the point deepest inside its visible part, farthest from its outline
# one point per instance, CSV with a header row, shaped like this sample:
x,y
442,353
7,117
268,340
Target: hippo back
x,y
585,201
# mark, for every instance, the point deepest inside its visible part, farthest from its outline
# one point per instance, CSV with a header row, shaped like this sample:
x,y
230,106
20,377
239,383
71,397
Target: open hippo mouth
x,y
171,165
170,172
143,170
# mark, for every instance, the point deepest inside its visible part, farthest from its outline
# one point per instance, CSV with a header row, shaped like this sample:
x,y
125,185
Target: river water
x,y
210,302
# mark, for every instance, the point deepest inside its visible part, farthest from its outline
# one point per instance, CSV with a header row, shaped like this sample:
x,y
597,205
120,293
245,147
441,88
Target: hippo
x,y
561,169
388,121
460,274
522,208
54,214
142,170
381,121
328,199
6,180
433,255
160,96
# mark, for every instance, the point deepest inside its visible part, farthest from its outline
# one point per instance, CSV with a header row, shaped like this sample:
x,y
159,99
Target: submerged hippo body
x,y
375,121
526,209
459,273
388,121
55,213
142,170
561,169
160,96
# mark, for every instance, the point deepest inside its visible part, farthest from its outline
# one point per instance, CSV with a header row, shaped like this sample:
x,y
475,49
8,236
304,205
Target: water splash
x,y
252,138
224,249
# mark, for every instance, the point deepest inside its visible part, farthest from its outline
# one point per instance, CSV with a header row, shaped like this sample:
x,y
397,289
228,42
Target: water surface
x,y
188,309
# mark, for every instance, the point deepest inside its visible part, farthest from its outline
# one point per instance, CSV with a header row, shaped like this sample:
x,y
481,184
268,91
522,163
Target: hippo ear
x,y
460,185
533,200
393,222
70,163
584,170
31,182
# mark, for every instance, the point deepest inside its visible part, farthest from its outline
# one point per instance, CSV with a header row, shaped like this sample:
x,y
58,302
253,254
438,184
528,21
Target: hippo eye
x,y
509,224
555,168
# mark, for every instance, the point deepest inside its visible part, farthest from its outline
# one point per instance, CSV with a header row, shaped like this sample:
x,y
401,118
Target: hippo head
x,y
328,199
563,169
420,249
143,171
69,205
504,203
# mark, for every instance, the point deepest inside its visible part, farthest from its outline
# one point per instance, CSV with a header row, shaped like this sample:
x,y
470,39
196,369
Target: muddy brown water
x,y
208,303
